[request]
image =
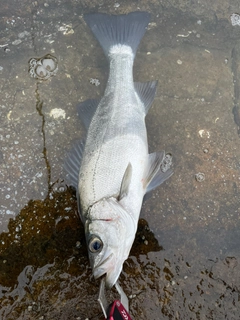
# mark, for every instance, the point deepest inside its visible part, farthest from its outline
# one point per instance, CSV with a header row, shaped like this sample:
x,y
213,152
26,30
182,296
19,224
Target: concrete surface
x,y
189,268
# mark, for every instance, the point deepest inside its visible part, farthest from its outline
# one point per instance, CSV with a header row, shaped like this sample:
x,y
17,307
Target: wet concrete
x,y
185,261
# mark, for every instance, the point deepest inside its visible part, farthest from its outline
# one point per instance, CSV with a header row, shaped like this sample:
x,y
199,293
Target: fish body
x,y
116,169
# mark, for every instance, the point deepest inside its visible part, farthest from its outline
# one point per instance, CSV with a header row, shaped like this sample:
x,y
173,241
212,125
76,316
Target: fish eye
x,y
95,244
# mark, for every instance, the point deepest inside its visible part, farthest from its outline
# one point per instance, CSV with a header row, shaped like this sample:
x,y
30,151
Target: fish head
x,y
110,232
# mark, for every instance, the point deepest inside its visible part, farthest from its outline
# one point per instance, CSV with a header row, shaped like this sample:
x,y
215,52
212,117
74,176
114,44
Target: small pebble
x,y
61,189
78,244
95,82
200,176
23,34
166,162
235,19
16,42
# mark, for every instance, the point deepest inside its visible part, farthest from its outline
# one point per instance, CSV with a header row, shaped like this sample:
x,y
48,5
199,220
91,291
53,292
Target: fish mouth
x,y
110,268
100,269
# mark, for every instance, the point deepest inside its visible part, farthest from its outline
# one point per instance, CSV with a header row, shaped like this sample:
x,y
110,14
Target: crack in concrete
x,y
39,106
39,103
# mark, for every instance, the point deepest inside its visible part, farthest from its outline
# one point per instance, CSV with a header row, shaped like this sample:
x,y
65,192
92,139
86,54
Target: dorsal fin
x,y
86,110
146,92
125,182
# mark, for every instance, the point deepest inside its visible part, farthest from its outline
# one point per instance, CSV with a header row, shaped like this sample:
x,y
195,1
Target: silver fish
x,y
116,170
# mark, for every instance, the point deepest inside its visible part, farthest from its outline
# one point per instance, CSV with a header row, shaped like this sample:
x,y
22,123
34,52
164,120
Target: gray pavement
x,y
193,50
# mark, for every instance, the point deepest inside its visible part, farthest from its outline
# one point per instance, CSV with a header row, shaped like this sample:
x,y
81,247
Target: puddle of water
x,y
184,262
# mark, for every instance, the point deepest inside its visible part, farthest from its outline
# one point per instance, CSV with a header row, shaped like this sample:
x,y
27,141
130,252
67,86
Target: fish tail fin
x,y
115,30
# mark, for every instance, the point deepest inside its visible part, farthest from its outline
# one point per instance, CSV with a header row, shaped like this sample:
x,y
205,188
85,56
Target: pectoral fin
x,y
125,182
158,170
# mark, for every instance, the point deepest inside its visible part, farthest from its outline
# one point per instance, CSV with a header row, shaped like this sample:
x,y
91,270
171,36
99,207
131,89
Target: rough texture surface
x,y
185,261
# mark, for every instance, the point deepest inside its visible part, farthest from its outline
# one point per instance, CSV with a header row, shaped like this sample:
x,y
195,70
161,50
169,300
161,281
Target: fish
x,y
111,168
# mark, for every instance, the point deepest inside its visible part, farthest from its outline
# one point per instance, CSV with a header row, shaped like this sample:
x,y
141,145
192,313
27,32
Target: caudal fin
x,y
113,30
